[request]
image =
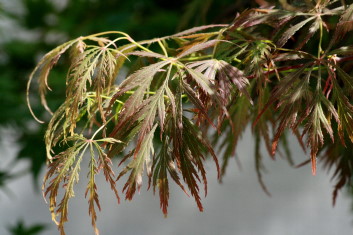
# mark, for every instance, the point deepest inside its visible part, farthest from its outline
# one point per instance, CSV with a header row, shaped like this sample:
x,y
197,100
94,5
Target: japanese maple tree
x,y
192,93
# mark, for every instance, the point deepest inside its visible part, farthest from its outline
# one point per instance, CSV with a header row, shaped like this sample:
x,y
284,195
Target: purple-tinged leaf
x,y
139,78
91,190
344,25
137,165
281,89
312,30
199,28
339,158
203,82
105,163
237,77
147,54
316,120
198,47
163,163
291,31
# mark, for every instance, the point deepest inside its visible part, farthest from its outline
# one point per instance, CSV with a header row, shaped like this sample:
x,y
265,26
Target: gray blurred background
x,y
300,204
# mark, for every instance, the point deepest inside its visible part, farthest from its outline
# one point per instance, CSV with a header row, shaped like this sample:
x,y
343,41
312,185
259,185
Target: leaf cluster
x,y
277,69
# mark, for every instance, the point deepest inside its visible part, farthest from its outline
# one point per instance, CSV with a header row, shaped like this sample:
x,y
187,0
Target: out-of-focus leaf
x,y
21,229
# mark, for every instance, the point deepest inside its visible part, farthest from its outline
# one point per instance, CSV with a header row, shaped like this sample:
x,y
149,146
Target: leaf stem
x,y
101,128
163,48
105,97
151,93
320,40
219,37
196,58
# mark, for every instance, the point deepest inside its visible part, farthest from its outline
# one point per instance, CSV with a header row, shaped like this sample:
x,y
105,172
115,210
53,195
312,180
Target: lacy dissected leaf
x,y
254,17
156,105
189,147
64,170
198,47
105,163
149,111
145,114
346,79
208,67
201,99
147,54
164,164
197,29
259,167
168,103
94,168
316,121
56,129
224,75
344,25
94,67
138,113
339,158
257,58
240,113
345,112
141,157
202,81
291,93
91,190
317,13
44,66
230,73
202,92
104,78
283,86
291,31
314,27
141,80
59,127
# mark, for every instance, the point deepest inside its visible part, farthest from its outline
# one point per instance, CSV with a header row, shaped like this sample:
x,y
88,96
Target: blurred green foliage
x,y
21,229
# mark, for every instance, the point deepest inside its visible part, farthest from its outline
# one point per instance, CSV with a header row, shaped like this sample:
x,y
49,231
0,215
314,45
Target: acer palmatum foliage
x,y
272,68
